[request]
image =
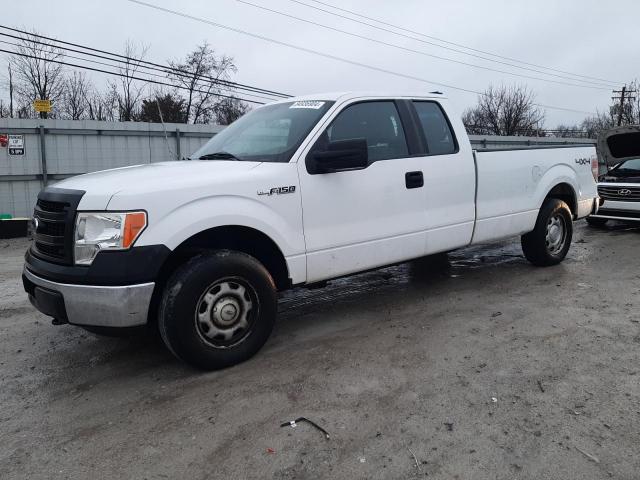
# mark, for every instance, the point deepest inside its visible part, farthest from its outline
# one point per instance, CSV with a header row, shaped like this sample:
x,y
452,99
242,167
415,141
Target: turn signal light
x,y
134,223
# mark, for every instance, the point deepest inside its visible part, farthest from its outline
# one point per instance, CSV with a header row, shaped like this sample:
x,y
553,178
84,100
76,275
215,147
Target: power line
x,y
419,52
326,55
164,67
351,12
118,65
598,83
118,74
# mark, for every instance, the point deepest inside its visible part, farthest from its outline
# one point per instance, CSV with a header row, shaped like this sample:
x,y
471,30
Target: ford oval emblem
x,y
624,191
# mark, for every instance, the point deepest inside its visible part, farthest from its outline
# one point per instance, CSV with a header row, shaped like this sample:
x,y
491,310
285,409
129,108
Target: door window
x,y
440,139
377,122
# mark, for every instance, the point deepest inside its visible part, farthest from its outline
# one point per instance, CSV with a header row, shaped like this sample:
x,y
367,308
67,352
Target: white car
x,y
619,185
294,193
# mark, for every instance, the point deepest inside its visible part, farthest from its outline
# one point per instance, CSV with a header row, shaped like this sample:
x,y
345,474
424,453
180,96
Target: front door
x,y
360,219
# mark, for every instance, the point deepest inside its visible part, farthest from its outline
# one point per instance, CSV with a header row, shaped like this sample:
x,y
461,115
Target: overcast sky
x,y
586,37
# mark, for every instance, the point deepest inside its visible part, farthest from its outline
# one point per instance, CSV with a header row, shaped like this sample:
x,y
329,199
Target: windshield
x,y
268,134
627,167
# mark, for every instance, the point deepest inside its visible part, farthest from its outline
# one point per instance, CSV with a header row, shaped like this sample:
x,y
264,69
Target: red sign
x,y
4,140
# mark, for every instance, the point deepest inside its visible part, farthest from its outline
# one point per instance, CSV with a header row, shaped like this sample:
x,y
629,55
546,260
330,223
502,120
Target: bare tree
x,y
505,111
201,74
74,99
163,107
37,74
628,112
25,110
128,90
96,109
604,120
4,110
568,131
595,124
228,110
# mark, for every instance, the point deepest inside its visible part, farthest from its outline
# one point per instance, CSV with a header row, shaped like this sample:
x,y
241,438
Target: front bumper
x,y
618,210
91,305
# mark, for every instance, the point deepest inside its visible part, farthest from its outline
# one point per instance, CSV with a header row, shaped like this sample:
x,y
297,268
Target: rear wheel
x,y
550,240
218,309
596,222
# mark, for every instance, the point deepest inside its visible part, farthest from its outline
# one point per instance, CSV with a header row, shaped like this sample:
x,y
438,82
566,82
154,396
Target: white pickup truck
x,y
294,193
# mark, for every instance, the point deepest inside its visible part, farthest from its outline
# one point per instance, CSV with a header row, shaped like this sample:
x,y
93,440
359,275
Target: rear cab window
x,y
436,128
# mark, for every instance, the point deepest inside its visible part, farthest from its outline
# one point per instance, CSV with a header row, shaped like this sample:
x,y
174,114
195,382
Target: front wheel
x,y
550,240
218,309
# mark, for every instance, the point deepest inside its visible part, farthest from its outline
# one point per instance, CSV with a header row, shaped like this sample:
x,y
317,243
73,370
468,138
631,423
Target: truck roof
x,y
334,96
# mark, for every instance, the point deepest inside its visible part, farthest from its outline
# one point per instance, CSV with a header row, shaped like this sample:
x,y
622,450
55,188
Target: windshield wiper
x,y
219,156
625,170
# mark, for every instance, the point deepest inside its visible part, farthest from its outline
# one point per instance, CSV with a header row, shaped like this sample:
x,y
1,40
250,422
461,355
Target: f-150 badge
x,y
278,190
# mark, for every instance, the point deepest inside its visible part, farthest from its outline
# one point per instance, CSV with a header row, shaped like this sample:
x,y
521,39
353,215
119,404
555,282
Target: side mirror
x,y
339,156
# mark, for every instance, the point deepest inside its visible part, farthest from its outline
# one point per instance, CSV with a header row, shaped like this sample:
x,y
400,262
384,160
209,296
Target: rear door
x,y
360,219
449,178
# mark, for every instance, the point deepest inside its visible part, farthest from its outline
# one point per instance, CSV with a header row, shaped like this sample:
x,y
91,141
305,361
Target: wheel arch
x,y
231,237
243,239
564,191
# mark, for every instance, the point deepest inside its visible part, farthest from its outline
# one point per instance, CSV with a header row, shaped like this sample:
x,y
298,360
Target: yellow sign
x,y
42,105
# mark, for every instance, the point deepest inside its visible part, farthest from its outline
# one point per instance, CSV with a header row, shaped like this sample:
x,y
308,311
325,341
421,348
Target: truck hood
x,y
619,144
101,186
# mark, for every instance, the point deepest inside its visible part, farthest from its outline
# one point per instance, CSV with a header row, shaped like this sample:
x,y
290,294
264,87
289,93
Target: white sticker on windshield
x,y
314,104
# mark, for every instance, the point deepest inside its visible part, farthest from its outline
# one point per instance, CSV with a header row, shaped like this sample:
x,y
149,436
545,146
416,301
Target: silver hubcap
x,y
556,234
223,311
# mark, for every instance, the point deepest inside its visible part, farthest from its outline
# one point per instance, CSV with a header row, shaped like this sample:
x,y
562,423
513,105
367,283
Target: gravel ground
x,y
475,366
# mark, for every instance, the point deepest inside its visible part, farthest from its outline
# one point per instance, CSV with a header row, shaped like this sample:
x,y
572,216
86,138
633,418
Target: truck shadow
x,y
301,311
419,278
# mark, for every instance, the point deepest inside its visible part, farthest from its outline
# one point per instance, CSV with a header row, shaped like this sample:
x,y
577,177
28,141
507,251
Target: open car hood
x,y
619,144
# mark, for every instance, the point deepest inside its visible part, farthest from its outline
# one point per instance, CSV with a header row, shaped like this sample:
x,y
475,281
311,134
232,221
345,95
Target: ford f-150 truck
x,y
293,193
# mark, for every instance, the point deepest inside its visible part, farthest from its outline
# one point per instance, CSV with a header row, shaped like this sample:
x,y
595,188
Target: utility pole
x,y
624,94
10,92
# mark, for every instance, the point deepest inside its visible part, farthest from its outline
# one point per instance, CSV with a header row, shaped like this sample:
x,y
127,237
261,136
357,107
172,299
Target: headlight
x,y
97,231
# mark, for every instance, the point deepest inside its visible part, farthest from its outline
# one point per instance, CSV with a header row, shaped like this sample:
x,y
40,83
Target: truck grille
x,y
619,193
54,216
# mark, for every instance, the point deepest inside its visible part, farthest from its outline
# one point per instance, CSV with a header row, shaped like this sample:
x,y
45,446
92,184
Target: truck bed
x,y
510,207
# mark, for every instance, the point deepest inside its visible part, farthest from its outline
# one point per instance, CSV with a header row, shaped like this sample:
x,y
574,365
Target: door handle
x,y
414,179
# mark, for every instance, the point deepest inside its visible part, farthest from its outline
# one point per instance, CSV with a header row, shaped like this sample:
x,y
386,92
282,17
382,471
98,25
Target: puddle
x,y
432,270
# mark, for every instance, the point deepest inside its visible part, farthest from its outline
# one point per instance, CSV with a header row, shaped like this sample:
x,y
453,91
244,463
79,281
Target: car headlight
x,y
96,231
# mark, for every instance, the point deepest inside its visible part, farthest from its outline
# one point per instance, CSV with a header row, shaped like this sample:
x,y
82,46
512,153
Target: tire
x,y
218,309
596,222
550,240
